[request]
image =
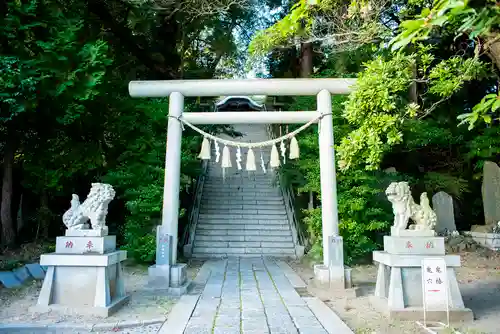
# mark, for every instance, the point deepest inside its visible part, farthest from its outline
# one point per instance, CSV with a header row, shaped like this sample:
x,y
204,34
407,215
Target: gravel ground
x,y
151,329
479,279
144,305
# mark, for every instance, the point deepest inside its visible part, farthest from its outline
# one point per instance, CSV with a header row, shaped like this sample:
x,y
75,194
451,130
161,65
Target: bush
x,y
364,215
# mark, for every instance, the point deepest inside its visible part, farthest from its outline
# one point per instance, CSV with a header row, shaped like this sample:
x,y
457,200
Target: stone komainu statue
x,y
405,208
95,208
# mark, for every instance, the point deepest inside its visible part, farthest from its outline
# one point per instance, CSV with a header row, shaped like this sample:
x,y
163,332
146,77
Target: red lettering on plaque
x,y
429,244
69,244
409,244
89,245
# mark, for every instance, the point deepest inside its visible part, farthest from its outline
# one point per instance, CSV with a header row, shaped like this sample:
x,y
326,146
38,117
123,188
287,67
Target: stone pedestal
x,y
398,290
165,277
84,276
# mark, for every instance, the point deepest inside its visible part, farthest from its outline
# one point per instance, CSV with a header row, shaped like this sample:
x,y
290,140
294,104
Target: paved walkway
x,y
250,295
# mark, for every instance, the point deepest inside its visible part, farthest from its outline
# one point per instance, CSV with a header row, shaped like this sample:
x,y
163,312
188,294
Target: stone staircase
x,y
243,214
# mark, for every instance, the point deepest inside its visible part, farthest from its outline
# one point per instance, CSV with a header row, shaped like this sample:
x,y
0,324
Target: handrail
x,y
289,198
195,208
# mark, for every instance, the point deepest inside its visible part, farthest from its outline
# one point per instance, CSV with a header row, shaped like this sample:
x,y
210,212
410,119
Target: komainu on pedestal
x,y
399,280
84,275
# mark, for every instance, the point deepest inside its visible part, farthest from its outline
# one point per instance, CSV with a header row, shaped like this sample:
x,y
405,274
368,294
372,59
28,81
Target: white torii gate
x,y
332,270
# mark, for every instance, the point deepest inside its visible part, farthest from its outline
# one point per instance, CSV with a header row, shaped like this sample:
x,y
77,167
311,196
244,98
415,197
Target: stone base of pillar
x,y
299,251
169,279
335,280
159,276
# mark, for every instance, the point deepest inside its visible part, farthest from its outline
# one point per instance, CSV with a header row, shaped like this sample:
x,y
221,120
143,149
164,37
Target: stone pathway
x,y
248,295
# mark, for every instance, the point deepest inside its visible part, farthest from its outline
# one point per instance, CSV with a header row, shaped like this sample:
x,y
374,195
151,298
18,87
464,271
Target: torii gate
x,y
332,270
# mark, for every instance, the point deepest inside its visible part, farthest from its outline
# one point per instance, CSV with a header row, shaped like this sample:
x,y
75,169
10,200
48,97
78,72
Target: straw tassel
x,y
262,163
205,150
238,158
283,151
275,157
251,161
217,152
226,158
294,149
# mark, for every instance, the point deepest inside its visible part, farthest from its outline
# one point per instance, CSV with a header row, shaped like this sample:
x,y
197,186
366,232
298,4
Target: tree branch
x,y
126,38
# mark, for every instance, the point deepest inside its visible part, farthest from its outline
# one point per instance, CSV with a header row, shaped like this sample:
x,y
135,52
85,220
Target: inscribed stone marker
x,y
336,251
491,192
163,244
336,260
442,204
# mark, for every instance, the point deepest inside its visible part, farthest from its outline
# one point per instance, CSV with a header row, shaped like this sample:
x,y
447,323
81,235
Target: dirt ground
x,y
143,304
479,279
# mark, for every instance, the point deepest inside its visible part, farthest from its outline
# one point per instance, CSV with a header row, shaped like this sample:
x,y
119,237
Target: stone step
x,y
263,227
241,222
233,185
229,238
242,175
247,197
243,244
251,216
223,194
231,211
242,232
206,207
241,188
250,201
245,176
241,250
236,181
249,255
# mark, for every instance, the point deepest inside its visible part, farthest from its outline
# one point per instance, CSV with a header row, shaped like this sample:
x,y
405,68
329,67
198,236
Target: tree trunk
x,y
413,86
306,60
310,205
8,234
20,218
494,53
44,215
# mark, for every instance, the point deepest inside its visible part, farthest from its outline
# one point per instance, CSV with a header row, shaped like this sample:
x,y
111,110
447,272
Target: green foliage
x,y
363,211
489,105
476,22
449,76
364,214
296,23
139,174
376,108
65,108
453,185
56,66
380,107
480,22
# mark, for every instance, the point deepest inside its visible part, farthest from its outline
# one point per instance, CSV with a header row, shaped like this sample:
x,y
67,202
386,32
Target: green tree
x,y
43,59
